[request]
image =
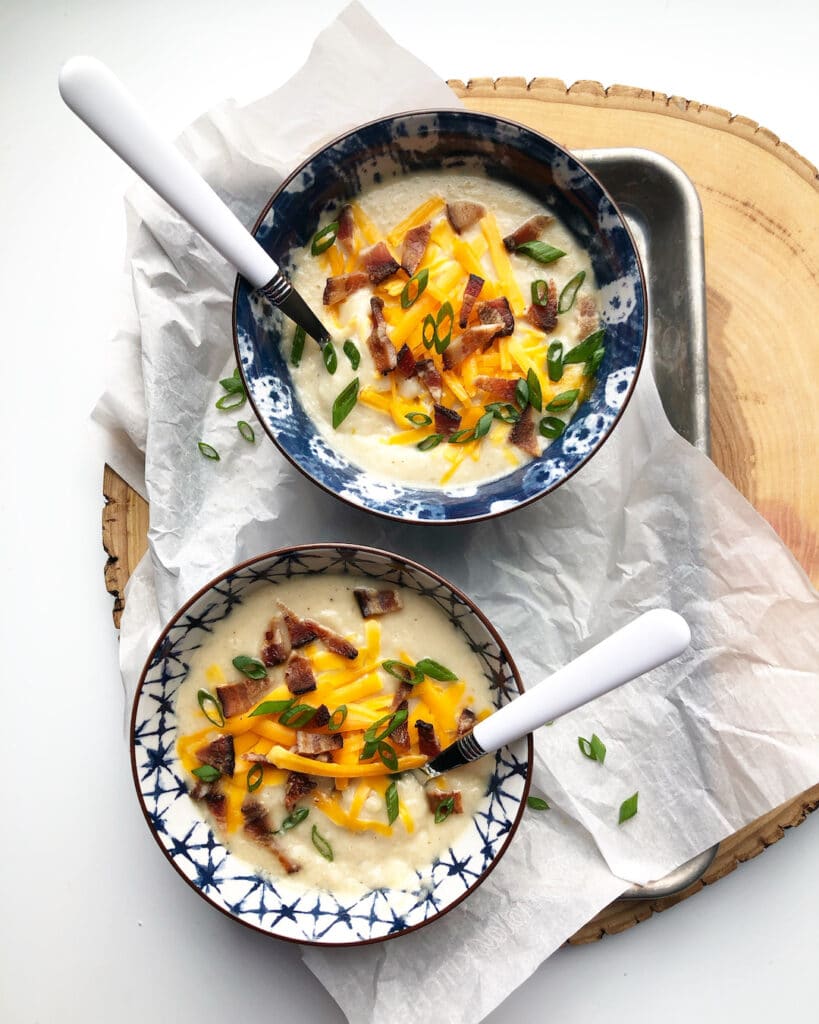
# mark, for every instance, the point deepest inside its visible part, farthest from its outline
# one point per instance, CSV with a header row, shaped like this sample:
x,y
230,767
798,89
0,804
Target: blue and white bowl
x,y
477,144
231,884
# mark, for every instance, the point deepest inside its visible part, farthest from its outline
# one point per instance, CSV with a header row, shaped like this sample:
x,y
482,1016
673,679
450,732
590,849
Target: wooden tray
x,y
761,209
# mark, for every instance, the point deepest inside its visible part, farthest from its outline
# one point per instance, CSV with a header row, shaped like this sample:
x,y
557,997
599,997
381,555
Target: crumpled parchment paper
x,y
712,741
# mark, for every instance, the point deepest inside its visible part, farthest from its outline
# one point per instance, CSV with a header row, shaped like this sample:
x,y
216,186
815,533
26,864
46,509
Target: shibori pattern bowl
x,y
231,884
467,142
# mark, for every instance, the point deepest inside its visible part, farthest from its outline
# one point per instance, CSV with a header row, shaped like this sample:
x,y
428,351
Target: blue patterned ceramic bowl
x,y
478,144
231,884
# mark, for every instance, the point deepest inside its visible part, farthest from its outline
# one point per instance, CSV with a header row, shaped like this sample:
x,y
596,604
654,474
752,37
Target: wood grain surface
x,y
760,204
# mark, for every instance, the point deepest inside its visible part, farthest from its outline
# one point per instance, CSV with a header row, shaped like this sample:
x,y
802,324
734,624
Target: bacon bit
x,y
497,311
462,214
300,630
219,755
378,262
320,718
436,797
346,230
296,787
406,362
415,245
377,602
473,338
544,317
337,289
471,292
214,800
498,387
400,737
466,721
236,698
587,319
523,433
528,232
447,420
310,743
299,676
427,741
401,694
379,344
277,645
259,827
431,378
333,642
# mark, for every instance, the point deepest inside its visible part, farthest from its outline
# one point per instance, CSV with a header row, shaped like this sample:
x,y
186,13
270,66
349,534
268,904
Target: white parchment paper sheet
x,y
721,736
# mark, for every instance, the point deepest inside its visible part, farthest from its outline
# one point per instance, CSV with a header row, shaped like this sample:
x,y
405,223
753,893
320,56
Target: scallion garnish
x,y
503,411
554,361
563,401
403,672
232,384
445,313
298,716
296,818
540,292
388,756
232,400
250,667
628,808
429,332
391,799
435,670
207,773
297,348
389,722
484,424
254,777
418,419
345,403
324,239
246,431
551,427
461,436
328,354
411,294
595,361
337,718
272,707
594,749
570,289
522,394
444,809
540,251
537,803
208,451
321,844
350,350
207,700
586,349
431,441
535,394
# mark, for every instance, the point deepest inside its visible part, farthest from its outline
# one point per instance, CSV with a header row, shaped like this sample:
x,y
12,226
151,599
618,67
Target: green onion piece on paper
x,y
628,808
208,451
537,803
246,431
232,400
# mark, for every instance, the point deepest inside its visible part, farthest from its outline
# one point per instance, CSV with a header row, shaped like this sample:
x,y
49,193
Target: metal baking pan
x,y
663,210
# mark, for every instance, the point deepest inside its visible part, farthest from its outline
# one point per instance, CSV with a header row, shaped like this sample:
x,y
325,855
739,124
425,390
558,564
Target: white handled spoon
x,y
99,99
650,640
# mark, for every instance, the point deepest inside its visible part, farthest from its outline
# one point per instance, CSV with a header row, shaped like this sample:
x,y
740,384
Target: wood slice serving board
x,y
760,204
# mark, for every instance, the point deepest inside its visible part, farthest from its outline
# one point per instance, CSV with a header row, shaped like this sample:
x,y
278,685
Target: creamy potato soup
x,y
465,329
302,716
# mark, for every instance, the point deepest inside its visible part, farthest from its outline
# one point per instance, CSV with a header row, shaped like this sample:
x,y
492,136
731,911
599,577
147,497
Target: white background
x,y
93,923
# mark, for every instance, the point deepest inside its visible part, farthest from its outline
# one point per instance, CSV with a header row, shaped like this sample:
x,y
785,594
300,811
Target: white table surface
x,y
94,924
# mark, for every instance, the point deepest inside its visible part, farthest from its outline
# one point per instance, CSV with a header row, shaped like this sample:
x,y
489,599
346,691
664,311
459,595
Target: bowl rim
x,y
352,548
393,517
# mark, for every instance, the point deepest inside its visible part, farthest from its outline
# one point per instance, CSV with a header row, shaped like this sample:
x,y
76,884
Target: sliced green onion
x,y
628,808
390,722
429,331
537,803
444,313
594,749
462,436
324,239
337,719
232,384
444,809
391,799
554,361
350,350
233,400
540,292
431,441
272,707
540,251
563,401
418,419
207,773
208,451
435,670
595,361
328,354
586,349
345,403
388,756
503,411
246,431
298,716
551,427
254,777
402,671
205,697
410,296
522,394
321,844
297,348
296,818
570,289
484,425
535,394
250,667
585,748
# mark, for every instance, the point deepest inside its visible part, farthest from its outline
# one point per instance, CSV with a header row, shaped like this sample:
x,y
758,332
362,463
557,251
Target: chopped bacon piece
x,y
219,755
236,698
401,694
466,721
431,378
436,797
415,245
587,319
299,676
447,420
277,644
297,786
320,718
530,231
214,800
337,289
381,348
498,387
463,213
377,261
400,737
333,642
259,827
427,741
309,744
497,311
478,337
300,630
523,433
406,362
346,229
471,293
544,317
377,602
